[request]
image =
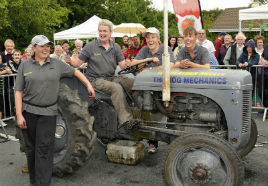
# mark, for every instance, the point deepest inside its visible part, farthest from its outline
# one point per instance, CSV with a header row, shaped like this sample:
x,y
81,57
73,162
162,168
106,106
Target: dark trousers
x,y
263,89
39,140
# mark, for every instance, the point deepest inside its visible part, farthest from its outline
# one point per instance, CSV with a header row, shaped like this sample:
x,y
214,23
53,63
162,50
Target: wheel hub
x,y
60,131
200,174
60,138
200,167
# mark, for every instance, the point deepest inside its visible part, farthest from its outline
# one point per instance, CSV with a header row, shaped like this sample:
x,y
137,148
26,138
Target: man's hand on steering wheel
x,y
127,62
156,60
135,68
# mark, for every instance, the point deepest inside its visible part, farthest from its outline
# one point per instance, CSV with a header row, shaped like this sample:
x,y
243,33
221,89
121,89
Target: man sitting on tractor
x,y
192,55
103,55
152,53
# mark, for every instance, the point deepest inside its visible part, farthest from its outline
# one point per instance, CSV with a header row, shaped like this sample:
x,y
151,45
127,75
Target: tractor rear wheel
x,y
74,137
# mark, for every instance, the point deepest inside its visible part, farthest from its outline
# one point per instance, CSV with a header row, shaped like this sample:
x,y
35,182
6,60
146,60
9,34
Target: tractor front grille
x,y
246,111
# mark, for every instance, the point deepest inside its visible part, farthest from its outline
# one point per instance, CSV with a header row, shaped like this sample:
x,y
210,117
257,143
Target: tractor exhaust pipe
x,y
166,60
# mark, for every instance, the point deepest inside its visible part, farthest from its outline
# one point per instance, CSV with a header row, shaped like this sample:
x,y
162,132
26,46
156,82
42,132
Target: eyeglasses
x,y
201,33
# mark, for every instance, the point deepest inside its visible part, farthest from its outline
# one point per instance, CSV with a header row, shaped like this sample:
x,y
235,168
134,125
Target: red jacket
x,y
136,50
217,45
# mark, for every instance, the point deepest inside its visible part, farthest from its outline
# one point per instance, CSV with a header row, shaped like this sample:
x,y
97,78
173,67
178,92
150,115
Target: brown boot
x,y
24,169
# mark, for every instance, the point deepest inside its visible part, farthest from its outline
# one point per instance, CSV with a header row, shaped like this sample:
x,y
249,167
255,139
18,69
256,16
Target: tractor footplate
x,y
128,125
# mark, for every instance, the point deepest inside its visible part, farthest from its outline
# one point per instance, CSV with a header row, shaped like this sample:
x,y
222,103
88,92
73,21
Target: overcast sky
x,y
208,4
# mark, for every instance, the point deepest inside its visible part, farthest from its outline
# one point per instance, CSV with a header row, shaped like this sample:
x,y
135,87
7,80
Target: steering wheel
x,y
134,68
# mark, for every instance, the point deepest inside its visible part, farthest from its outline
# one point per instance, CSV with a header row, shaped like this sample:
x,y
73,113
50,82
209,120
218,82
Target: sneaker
x,y
152,149
3,124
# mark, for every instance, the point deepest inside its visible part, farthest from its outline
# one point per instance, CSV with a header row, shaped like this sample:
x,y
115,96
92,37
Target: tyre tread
x,y
81,126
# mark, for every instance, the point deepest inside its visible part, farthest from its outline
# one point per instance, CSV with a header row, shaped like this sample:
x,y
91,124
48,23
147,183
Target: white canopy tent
x,y
257,13
86,30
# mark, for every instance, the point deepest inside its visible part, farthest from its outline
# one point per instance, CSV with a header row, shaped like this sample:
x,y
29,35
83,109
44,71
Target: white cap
x,y
151,30
40,40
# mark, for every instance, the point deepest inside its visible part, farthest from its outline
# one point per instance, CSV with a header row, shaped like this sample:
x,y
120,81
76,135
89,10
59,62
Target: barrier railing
x,y
7,96
258,75
257,72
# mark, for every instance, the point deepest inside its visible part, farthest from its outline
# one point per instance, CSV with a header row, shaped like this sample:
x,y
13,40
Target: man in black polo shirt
x,y
103,55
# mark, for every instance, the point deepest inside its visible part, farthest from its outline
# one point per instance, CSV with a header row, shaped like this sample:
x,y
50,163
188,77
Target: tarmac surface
x,y
100,172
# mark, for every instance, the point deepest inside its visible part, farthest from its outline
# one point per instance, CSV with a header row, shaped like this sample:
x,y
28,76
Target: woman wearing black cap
x,y
37,87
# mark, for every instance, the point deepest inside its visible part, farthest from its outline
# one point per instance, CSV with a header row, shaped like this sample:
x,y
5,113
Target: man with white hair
x,y
102,56
58,53
9,49
78,44
202,41
234,52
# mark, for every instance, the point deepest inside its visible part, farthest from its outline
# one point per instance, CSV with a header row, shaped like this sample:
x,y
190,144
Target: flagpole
x,y
166,60
165,26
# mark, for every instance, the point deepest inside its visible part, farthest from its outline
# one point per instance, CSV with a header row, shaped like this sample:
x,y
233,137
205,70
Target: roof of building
x,y
227,21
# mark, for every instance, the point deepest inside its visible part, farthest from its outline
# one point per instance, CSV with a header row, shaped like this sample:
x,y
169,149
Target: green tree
x,y
208,17
81,10
3,14
263,1
136,11
26,18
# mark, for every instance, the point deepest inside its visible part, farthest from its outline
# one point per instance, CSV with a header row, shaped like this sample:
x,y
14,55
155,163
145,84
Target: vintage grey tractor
x,y
207,124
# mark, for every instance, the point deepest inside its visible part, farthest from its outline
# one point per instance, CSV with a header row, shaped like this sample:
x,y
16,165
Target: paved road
x,y
100,172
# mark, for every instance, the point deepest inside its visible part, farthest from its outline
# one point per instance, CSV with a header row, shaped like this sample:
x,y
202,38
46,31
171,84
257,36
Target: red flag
x,y
187,13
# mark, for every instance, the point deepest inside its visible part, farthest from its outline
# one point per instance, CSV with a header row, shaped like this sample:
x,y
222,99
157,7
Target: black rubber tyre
x,y
252,140
202,159
79,130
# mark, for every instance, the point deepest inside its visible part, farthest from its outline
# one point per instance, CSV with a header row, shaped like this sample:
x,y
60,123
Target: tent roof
x,y
88,29
260,12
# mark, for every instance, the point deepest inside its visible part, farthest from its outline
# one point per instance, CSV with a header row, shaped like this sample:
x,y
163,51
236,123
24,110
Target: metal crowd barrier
x,y
7,93
257,72
7,96
9,82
